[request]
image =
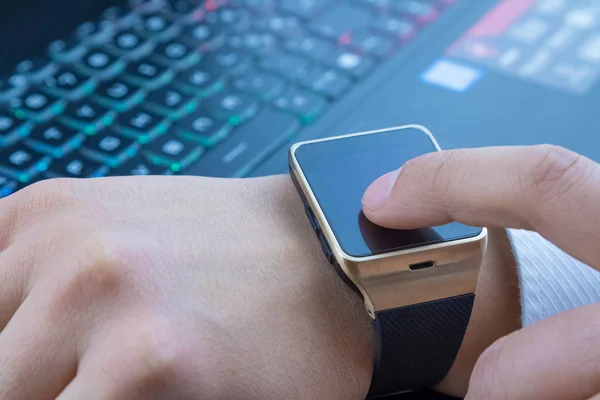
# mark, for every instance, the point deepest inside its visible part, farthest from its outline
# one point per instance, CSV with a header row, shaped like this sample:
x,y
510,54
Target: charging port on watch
x,y
421,265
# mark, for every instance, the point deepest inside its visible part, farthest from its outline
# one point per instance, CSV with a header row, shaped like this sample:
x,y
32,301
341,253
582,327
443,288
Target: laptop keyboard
x,y
159,87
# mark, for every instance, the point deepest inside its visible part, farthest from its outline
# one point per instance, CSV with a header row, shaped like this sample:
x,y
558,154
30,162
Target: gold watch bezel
x,y
385,281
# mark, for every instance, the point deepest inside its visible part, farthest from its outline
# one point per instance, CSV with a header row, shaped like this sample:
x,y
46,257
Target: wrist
x,y
341,325
496,311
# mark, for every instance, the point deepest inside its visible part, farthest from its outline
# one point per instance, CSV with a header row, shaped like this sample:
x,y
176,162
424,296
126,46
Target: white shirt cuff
x,y
551,281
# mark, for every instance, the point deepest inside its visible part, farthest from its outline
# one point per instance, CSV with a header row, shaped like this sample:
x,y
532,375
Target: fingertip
x,y
373,216
379,191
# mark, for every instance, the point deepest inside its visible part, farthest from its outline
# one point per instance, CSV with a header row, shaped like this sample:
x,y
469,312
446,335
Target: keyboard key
x,y
122,17
130,45
147,7
12,129
280,25
259,43
34,104
368,42
328,82
302,103
142,125
67,50
171,102
258,6
235,62
236,19
22,163
247,145
172,153
37,69
202,129
313,47
17,81
288,65
419,11
139,166
88,116
101,64
306,9
400,29
203,80
235,107
375,5
69,83
76,165
148,74
11,86
182,7
7,186
340,21
159,25
119,95
354,64
55,139
110,148
260,84
205,37
96,32
176,54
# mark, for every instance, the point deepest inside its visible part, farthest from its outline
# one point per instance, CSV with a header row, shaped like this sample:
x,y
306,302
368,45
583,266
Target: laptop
x,y
221,88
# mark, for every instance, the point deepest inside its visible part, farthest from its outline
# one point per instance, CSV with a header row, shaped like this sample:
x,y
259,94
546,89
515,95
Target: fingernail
x,y
379,191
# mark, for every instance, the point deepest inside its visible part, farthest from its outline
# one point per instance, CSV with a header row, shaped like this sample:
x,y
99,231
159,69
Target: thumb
x,y
556,359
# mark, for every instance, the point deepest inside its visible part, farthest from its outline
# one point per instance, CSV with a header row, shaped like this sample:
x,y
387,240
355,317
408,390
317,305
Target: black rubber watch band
x,y
417,344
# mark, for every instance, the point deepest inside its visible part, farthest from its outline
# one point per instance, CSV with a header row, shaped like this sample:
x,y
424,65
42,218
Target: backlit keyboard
x,y
160,86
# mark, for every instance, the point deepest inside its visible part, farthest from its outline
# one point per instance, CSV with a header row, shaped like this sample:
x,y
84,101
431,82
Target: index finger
x,y
545,188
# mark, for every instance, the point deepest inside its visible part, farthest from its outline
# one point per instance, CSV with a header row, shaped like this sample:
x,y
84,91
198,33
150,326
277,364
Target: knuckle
x,y
161,366
433,168
161,359
554,171
99,273
103,249
169,363
104,263
440,181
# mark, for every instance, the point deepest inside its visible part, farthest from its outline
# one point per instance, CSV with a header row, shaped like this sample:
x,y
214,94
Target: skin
x,y
547,189
193,288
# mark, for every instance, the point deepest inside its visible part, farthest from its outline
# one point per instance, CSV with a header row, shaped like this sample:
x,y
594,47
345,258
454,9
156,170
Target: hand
x,y
173,288
190,288
543,188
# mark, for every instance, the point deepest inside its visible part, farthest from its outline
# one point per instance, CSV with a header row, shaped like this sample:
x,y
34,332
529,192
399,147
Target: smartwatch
x,y
418,286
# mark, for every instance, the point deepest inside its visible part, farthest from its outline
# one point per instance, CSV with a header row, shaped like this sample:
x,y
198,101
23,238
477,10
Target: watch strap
x,y
417,344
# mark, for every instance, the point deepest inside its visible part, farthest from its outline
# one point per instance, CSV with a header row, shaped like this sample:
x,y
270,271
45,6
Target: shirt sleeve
x,y
551,281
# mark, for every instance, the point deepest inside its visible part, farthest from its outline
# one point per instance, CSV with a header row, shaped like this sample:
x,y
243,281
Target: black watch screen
x,y
339,171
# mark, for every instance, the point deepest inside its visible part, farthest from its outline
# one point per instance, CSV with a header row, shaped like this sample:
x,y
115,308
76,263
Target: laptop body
x,y
222,89
238,81
489,73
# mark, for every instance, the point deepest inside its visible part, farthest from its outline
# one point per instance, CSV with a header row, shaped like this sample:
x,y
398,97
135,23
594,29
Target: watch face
x,y
339,171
